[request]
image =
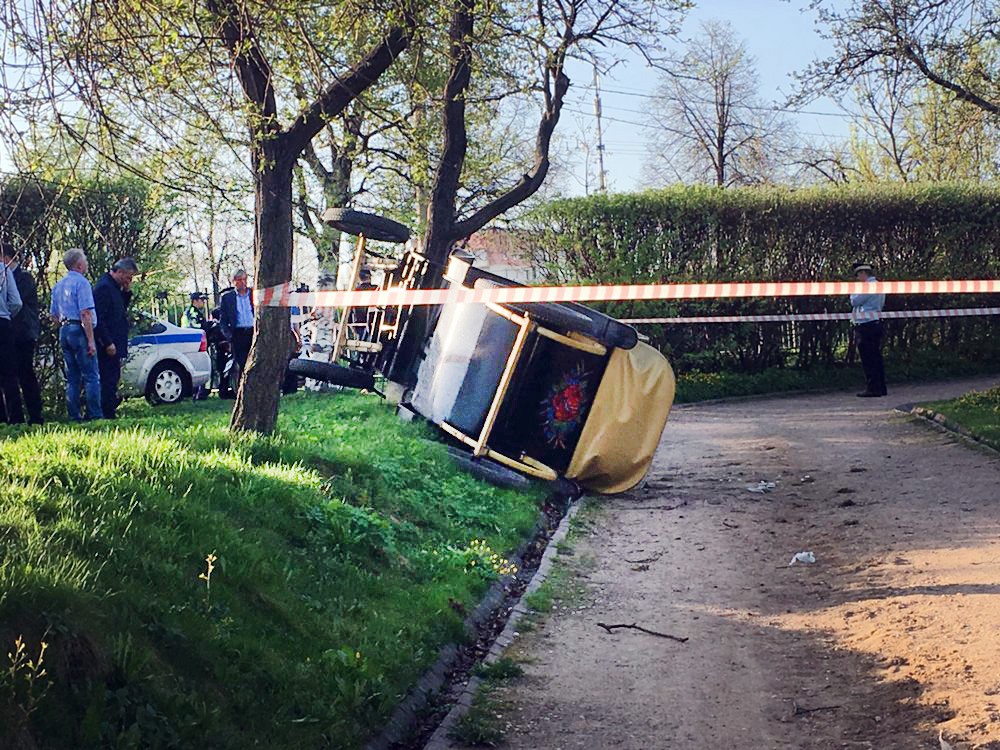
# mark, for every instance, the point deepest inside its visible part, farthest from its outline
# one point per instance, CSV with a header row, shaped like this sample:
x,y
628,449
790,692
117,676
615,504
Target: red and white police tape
x,y
792,317
283,296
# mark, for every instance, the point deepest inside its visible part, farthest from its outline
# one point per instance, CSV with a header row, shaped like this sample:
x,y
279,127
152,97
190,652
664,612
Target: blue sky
x,y
780,34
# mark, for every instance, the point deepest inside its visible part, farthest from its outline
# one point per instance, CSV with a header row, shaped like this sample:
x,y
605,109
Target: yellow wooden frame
x,y
359,257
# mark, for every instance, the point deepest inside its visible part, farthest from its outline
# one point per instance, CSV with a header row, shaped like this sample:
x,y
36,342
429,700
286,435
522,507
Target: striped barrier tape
x,y
792,317
283,296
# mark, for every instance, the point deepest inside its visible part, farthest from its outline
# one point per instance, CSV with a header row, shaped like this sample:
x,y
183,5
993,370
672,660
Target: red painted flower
x,y
566,403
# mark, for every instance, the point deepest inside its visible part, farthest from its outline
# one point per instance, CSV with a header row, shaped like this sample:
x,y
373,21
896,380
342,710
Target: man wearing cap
x,y
73,307
112,295
196,316
865,310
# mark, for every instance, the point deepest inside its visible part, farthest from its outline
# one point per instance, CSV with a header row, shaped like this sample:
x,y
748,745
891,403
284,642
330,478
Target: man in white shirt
x,y
865,309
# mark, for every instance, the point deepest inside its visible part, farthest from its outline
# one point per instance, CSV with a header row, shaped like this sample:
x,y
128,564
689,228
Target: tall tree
x,y
549,33
155,72
934,40
711,124
544,35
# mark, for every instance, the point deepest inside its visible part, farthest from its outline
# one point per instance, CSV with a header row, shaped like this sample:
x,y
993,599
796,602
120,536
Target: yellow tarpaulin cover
x,y
626,421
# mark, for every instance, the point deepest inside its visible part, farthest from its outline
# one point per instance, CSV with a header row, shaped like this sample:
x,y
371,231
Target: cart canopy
x,y
625,422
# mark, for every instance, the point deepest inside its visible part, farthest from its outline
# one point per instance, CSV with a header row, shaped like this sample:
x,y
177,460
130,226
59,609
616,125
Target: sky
x,y
780,34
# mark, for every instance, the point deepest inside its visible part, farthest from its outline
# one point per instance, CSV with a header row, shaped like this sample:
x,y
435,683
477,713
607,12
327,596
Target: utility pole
x,y
602,183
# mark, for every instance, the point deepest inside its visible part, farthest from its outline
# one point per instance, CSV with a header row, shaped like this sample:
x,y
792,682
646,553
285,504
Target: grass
x,y
196,588
482,725
924,366
978,412
503,668
565,585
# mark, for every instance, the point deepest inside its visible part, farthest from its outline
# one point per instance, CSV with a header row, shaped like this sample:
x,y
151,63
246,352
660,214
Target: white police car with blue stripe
x,y
165,362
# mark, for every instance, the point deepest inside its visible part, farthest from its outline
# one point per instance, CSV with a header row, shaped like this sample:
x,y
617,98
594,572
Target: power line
x,y
758,108
654,125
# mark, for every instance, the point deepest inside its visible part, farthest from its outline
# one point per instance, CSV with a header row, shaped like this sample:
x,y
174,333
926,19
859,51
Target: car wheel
x,y
371,226
335,374
488,470
166,384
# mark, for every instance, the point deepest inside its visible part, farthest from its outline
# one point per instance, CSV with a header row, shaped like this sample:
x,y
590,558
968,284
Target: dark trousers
x,y
111,373
24,352
13,412
869,339
241,346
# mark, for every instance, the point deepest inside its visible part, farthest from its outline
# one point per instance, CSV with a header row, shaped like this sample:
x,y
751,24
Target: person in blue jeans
x,y
73,306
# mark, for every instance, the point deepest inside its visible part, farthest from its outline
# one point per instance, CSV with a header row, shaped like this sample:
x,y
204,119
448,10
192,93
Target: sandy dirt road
x,y
891,638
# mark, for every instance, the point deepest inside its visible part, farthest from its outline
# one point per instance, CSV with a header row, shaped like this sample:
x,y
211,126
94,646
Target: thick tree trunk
x,y
257,400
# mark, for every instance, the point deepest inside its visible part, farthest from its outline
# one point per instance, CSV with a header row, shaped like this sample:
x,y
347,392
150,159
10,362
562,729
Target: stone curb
x,y
439,740
406,714
942,422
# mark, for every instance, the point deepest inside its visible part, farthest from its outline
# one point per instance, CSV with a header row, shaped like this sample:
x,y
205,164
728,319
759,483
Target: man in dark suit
x,y
112,295
236,313
27,327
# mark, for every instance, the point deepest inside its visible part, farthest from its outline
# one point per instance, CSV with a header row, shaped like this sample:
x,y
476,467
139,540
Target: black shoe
x,y
868,394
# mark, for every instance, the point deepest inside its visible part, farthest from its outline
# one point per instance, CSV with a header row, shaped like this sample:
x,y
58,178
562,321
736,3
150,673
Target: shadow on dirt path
x,y
890,638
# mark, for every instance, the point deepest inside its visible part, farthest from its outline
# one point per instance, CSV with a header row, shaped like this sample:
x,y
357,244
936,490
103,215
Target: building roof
x,y
497,248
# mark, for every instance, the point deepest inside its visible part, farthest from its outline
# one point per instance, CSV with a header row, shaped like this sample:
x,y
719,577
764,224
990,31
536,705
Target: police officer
x,y
865,310
196,315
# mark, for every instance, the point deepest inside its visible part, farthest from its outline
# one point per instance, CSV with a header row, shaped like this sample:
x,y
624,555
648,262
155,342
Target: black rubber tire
x,y
488,470
370,225
568,316
550,314
174,396
335,374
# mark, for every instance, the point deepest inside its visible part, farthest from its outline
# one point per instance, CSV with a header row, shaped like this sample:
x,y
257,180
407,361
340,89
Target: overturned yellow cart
x,y
550,390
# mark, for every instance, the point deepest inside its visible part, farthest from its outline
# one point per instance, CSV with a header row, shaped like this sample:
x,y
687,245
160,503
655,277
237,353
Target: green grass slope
x,y
342,551
977,411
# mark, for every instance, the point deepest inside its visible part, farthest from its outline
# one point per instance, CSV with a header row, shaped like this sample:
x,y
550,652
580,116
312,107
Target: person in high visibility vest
x,y
196,316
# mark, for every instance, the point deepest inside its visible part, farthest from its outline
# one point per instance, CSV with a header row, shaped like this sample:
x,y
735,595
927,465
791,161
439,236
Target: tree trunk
x,y
257,400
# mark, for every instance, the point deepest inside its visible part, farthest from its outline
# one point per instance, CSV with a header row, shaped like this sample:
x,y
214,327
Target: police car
x,y
165,362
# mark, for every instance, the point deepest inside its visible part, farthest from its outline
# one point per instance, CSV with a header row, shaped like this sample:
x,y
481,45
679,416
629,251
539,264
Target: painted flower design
x,y
562,410
566,403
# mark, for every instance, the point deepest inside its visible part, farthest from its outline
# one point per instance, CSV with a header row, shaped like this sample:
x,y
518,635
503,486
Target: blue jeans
x,y
80,366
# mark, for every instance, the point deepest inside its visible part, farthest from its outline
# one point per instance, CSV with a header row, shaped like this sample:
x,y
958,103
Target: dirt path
x,y
890,638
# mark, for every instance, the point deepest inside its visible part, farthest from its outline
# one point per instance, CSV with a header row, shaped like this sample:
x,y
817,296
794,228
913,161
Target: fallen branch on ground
x,y
654,558
654,507
799,710
633,626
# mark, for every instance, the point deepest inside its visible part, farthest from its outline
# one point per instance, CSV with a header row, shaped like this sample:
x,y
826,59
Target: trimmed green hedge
x,y
746,234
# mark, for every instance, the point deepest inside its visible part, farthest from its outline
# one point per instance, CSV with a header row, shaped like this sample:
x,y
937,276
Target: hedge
x,y
914,231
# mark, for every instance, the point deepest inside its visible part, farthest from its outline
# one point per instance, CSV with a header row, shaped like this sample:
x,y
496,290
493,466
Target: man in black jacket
x,y
236,314
112,295
27,328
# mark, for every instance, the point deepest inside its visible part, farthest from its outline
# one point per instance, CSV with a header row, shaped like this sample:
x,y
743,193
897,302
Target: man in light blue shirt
x,y
73,307
236,318
865,309
11,410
